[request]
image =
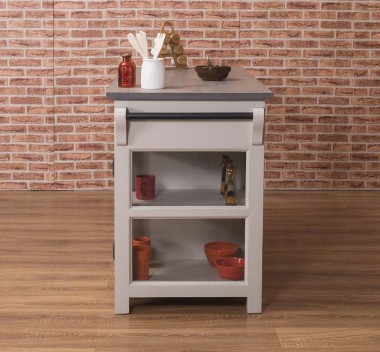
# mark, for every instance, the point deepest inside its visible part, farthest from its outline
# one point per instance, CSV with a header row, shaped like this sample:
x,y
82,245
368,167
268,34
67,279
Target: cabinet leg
x,y
254,305
122,307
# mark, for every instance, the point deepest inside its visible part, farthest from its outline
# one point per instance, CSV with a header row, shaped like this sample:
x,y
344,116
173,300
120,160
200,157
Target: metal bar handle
x,y
190,115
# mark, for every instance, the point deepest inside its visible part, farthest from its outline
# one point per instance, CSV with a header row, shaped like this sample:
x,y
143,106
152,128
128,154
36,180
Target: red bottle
x,y
127,72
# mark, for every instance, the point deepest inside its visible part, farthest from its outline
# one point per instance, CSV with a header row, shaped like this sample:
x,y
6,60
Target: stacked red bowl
x,y
218,250
230,268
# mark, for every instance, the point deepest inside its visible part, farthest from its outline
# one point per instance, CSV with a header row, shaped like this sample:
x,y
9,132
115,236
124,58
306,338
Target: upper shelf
x,y
185,85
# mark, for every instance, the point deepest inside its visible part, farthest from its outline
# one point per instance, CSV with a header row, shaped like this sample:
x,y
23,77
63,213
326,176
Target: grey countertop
x,y
186,85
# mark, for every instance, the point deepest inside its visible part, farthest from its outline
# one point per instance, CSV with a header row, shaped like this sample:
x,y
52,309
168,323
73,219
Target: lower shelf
x,y
183,270
186,278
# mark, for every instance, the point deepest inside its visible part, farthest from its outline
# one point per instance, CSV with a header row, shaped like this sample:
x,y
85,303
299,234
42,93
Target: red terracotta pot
x,y
141,259
141,241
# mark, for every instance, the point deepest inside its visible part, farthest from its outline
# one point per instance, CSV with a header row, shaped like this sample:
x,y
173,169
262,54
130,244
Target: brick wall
x,y
320,58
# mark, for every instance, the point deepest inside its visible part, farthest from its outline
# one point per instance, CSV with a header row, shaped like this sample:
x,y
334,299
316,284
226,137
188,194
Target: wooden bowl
x,y
230,268
213,73
218,250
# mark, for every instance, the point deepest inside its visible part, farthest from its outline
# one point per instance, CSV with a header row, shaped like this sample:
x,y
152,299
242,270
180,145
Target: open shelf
x,y
188,197
187,178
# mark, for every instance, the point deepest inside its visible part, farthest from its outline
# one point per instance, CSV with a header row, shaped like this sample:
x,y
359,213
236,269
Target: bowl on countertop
x,y
218,250
231,268
212,73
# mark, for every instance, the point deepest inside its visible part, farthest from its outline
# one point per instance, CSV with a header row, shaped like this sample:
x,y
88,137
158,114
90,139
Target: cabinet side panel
x,y
254,227
122,229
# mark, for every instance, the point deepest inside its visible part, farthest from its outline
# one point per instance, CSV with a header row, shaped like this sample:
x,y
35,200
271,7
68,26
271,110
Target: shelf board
x,y
189,212
183,270
188,197
190,204
186,278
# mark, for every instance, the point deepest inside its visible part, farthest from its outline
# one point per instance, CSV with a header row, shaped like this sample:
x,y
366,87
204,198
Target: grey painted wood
x,y
185,85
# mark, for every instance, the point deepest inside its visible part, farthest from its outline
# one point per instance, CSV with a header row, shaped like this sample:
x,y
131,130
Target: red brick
x,y
348,165
365,156
253,15
318,34
336,6
367,6
302,24
302,44
281,165
358,16
332,156
136,4
282,147
281,184
316,147
316,184
302,5
369,175
69,4
301,100
74,175
314,165
320,15
298,175
299,137
283,110
98,184
27,176
299,156
13,185
338,184
332,175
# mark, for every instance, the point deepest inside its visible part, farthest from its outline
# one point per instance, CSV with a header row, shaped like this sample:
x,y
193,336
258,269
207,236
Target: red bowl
x,y
218,250
230,268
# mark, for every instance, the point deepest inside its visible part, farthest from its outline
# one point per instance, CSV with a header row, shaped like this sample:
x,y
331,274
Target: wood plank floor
x,y
321,280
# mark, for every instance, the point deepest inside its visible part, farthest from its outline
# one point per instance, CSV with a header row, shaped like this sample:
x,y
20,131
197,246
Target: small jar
x,y
127,72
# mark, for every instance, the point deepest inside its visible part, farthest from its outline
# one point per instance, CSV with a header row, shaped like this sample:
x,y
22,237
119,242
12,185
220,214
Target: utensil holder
x,y
153,74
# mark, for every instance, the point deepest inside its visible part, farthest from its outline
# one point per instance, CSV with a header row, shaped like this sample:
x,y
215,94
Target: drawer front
x,y
189,135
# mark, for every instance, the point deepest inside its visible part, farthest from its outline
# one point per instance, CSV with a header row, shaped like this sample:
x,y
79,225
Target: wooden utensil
x,y
141,38
135,43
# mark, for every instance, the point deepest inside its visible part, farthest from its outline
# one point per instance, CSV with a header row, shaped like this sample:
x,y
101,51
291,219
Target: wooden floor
x,y
321,280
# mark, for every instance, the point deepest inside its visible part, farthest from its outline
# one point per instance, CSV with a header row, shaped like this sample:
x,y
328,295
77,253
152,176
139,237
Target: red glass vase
x,y
127,72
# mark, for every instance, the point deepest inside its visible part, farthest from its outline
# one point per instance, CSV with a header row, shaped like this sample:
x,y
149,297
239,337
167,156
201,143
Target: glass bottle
x,y
127,72
224,162
228,168
230,185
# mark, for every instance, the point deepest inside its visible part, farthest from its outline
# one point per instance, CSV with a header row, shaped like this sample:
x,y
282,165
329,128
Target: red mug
x,y
145,187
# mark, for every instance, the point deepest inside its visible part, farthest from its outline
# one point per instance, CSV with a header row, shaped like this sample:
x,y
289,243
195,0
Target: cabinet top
x,y
186,85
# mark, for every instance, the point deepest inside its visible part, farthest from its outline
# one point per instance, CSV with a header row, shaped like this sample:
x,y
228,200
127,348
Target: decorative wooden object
x,y
172,47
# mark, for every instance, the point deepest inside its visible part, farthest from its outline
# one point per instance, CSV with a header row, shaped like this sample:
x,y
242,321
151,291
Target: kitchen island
x,y
179,134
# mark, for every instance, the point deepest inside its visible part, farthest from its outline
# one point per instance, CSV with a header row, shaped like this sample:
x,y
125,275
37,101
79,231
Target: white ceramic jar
x,y
153,74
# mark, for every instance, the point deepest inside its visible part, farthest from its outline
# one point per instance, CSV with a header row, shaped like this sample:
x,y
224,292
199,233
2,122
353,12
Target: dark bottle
x,y
127,72
224,161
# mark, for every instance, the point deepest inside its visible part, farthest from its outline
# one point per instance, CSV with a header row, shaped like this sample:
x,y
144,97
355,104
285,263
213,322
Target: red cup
x,y
145,187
